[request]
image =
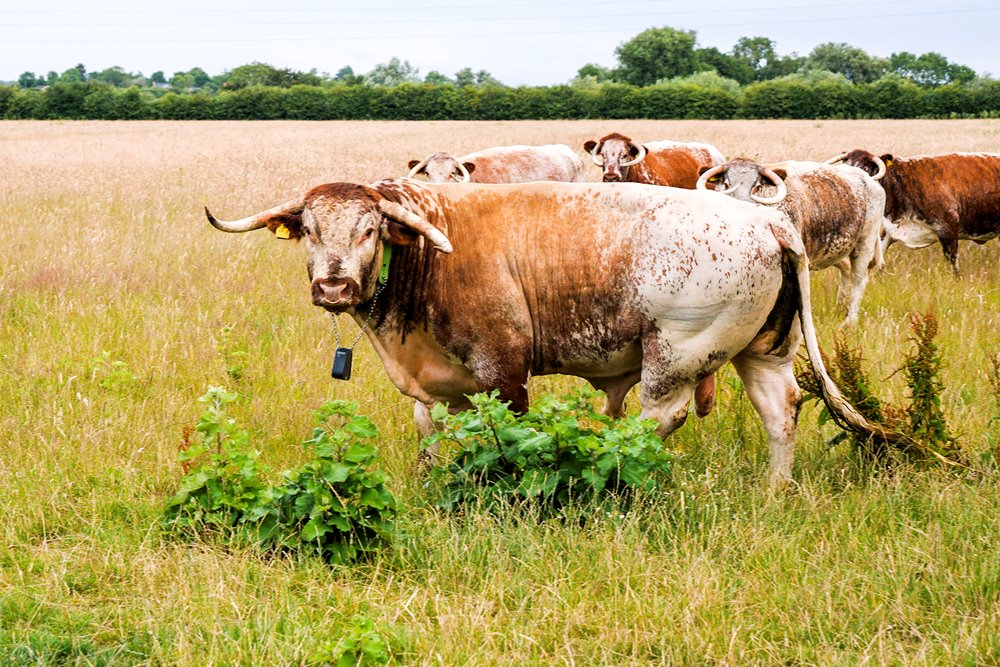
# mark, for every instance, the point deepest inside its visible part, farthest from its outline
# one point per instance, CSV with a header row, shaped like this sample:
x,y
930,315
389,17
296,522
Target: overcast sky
x,y
520,42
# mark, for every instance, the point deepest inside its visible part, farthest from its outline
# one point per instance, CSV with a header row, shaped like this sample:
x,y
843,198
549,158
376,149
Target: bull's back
x,y
933,187
677,167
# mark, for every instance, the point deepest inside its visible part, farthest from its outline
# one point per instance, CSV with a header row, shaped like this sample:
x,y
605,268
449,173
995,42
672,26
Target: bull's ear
x,y
780,173
702,170
589,145
413,163
887,158
397,234
286,225
469,166
633,150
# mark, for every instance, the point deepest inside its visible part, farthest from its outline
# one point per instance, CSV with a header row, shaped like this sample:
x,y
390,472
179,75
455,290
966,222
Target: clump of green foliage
x,y
336,505
362,646
560,451
921,426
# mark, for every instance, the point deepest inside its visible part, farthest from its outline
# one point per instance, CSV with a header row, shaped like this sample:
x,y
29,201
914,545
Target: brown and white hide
x,y
503,164
673,163
937,198
837,209
615,283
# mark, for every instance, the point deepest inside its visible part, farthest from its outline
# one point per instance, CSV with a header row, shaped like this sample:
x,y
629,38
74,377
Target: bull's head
x,y
869,162
743,179
345,227
442,168
615,153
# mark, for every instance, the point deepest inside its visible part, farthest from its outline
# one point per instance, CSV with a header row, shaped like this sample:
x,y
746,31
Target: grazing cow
x,y
503,164
657,163
837,209
936,198
613,283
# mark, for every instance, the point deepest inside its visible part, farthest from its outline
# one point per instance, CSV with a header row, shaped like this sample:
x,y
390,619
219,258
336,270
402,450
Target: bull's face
x,y
615,153
346,228
743,180
442,168
343,248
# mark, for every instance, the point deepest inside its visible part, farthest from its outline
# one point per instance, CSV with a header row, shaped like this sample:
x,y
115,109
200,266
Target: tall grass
x,y
119,305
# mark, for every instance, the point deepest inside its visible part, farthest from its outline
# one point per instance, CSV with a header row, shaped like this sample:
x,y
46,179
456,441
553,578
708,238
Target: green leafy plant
x,y
232,355
335,505
109,373
362,646
921,425
560,451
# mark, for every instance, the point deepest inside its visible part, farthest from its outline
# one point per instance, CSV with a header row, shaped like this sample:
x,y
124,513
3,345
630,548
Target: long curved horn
x,y
779,195
837,160
702,183
881,167
417,167
416,223
638,158
258,220
593,157
465,173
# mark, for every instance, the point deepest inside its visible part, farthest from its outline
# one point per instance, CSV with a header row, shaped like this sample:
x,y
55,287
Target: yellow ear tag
x,y
888,163
282,232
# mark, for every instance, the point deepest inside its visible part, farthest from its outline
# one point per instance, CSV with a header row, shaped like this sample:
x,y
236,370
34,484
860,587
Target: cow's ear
x,y
780,173
589,145
397,234
469,166
286,225
887,158
633,150
413,163
702,170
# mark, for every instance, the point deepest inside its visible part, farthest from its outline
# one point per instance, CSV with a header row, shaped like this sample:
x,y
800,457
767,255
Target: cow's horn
x,y
779,195
417,167
837,160
638,158
702,183
258,220
881,167
416,223
465,173
593,157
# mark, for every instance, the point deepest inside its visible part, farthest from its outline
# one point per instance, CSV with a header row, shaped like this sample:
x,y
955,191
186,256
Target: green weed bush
x,y
336,505
559,452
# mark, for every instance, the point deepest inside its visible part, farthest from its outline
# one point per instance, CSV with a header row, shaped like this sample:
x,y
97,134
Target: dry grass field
x,y
120,305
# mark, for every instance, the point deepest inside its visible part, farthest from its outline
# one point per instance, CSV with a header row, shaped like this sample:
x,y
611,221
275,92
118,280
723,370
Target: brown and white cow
x,y
672,163
837,209
503,164
936,198
490,284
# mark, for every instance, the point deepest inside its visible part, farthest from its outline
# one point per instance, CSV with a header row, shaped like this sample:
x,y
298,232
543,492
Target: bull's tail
x,y
844,414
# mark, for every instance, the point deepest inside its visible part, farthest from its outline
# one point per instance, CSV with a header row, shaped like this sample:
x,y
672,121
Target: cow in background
x,y
503,164
672,163
837,209
935,198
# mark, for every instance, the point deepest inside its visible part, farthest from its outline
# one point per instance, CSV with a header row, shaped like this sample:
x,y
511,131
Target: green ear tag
x,y
383,273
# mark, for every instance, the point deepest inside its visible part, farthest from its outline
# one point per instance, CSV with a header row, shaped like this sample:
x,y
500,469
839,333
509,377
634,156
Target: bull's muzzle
x,y
335,294
612,176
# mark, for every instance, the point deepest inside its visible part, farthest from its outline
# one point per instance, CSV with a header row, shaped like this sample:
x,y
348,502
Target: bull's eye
x,y
368,234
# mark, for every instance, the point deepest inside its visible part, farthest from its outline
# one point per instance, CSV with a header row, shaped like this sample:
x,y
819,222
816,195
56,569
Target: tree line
x,y
660,73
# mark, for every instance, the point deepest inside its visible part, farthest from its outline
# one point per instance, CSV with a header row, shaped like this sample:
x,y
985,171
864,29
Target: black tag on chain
x,y
342,364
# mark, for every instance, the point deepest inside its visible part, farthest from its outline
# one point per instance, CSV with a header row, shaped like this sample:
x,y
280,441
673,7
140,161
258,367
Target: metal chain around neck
x,y
371,313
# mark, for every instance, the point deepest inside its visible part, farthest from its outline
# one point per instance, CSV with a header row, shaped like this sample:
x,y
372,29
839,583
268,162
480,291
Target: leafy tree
x,y
182,81
929,69
465,77
484,78
726,65
74,74
392,73
437,78
115,76
599,74
29,80
199,76
157,77
52,77
656,54
855,64
346,76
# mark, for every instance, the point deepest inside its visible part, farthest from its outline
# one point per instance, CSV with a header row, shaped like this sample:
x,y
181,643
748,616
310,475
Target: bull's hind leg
x,y
615,390
770,384
667,383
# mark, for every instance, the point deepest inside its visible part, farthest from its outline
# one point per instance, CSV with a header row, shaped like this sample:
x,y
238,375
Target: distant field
x,y
116,297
